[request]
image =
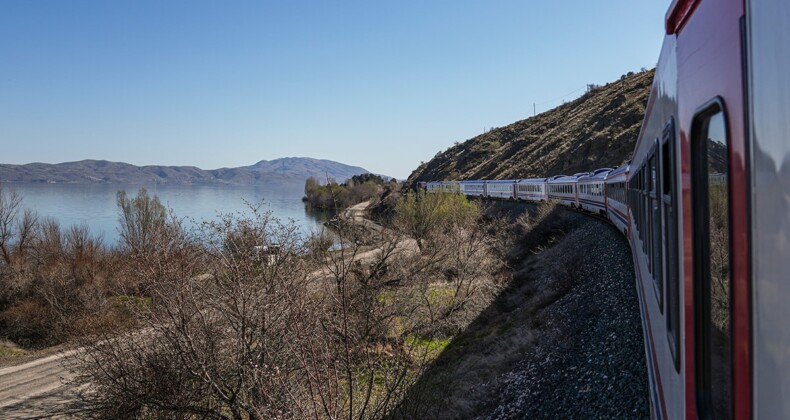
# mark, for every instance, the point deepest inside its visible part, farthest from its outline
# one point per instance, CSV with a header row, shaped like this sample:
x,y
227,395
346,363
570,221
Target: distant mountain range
x,y
278,171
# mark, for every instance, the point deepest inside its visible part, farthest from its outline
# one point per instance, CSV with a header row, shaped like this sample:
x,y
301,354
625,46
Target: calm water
x,y
95,204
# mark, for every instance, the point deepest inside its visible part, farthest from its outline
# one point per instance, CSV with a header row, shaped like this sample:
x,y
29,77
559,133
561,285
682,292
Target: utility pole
x,y
533,109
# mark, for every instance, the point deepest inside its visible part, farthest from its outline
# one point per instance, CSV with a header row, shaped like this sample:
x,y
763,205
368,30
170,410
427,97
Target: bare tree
x,y
10,206
338,333
144,222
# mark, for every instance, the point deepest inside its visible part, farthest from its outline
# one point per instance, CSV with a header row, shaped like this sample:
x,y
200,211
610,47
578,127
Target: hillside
x,y
284,170
599,129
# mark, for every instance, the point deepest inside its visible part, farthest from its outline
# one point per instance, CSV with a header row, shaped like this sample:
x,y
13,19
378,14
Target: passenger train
x,y
705,205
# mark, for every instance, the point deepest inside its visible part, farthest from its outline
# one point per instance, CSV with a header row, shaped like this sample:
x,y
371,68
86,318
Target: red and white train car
x,y
710,217
617,197
473,188
562,189
443,186
500,188
531,189
592,191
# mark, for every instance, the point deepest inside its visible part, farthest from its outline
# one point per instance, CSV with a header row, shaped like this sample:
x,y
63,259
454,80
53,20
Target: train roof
x,y
596,175
532,180
621,169
472,181
502,181
563,178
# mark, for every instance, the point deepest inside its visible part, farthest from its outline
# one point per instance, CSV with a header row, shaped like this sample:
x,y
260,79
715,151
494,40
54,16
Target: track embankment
x,y
588,359
563,340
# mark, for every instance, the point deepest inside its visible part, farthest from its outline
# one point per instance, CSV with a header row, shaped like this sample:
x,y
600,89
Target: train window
x,y
641,207
651,267
655,226
643,180
671,274
711,243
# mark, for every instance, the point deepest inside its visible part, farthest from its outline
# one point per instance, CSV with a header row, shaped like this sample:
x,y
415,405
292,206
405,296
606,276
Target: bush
x,y
334,196
422,214
28,323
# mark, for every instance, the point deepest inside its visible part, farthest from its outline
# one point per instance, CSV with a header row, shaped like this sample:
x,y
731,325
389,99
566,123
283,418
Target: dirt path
x,y
356,214
37,389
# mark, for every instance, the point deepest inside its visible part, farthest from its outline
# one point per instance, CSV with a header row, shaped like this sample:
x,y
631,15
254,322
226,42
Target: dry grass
x,y
9,350
596,130
455,384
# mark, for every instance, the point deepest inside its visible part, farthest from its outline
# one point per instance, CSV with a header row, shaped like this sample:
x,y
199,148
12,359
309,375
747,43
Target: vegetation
x,y
334,196
507,329
310,333
243,317
424,214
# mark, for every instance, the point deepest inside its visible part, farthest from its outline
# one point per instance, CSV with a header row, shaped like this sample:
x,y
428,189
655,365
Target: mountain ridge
x,y
289,169
599,129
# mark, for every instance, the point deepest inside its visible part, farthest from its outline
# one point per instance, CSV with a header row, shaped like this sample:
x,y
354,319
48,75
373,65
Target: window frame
x,y
701,252
669,200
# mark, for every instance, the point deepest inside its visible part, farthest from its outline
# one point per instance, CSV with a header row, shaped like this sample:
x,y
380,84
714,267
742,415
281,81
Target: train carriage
x,y
688,203
562,189
501,188
531,189
473,188
443,186
617,199
592,191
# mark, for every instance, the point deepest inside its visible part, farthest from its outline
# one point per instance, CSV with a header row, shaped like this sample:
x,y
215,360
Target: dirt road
x,y
37,389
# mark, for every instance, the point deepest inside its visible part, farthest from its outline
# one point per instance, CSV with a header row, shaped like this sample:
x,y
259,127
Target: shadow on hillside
x,y
465,381
494,340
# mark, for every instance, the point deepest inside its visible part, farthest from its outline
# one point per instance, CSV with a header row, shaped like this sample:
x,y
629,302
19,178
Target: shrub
x,y
422,214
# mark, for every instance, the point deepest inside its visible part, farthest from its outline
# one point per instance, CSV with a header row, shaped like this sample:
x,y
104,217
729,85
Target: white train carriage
x,y
531,189
501,188
473,188
562,189
617,197
443,186
592,191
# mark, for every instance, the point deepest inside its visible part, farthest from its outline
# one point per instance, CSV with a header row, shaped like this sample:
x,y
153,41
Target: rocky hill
x,y
284,170
599,129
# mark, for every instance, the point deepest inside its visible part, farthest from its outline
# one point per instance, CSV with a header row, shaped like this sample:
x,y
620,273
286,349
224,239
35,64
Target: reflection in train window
x,y
713,298
669,213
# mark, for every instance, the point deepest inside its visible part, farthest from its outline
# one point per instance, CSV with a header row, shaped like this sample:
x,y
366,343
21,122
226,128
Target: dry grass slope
x,y
599,129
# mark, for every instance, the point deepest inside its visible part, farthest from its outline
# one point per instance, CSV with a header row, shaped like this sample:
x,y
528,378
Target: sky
x,y
382,85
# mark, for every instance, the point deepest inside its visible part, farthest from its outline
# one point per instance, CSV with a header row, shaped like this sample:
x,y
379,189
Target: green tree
x,y
145,224
311,185
422,214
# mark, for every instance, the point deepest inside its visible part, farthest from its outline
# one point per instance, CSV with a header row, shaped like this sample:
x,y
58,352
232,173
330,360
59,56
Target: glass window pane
x,y
712,265
720,299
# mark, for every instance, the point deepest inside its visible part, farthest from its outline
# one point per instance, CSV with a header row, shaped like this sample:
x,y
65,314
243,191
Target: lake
x,y
95,204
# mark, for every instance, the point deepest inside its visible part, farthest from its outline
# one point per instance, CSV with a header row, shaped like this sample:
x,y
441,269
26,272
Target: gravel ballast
x,y
562,340
589,361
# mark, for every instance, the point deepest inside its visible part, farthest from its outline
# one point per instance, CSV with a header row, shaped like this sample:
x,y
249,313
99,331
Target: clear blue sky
x,y
383,85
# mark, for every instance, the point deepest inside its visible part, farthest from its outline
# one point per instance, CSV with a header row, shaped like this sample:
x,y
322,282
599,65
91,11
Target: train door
x,y
715,268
